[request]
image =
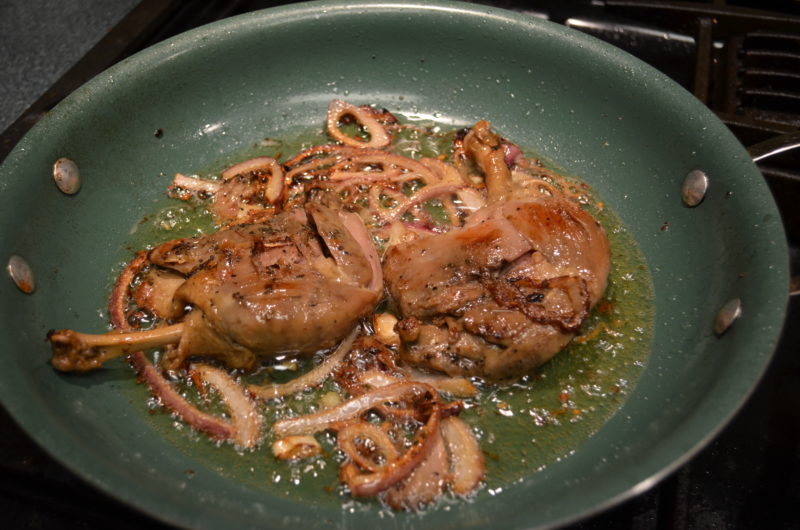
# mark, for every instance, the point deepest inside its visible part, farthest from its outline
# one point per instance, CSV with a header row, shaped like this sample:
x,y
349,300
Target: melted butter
x,y
522,428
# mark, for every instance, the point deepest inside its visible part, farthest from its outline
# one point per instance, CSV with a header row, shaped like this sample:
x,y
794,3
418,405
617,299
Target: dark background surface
x,y
747,477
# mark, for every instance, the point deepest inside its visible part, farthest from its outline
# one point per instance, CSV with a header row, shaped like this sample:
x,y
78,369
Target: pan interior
x,y
624,128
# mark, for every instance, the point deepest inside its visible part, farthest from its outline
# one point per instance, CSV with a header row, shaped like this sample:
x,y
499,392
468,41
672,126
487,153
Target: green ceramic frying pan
x,y
599,113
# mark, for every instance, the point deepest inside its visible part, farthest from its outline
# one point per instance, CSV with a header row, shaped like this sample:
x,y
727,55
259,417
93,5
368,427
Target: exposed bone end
x,y
485,147
71,353
81,352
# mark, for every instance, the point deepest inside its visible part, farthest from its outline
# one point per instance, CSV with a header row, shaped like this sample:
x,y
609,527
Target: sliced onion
x,y
195,184
346,440
367,177
260,163
426,483
207,423
466,459
245,418
118,302
309,168
309,379
338,108
350,409
470,200
266,164
425,194
444,172
512,153
388,161
369,484
317,152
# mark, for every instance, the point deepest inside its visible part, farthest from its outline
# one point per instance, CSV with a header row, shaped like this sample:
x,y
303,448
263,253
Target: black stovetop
x,y
743,63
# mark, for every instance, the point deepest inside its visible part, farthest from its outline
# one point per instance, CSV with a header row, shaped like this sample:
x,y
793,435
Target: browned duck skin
x,y
507,291
252,291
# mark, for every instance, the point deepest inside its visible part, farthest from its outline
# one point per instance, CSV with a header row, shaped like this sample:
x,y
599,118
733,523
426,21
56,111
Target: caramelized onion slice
x,y
195,184
369,484
466,459
206,423
425,194
386,161
378,137
354,437
426,483
245,418
311,378
264,164
352,408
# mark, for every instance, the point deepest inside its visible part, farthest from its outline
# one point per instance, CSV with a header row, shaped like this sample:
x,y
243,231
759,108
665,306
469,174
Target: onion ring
x,y
265,164
426,193
338,108
346,440
369,484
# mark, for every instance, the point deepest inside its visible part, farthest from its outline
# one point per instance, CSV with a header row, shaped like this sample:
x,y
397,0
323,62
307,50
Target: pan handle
x,y
762,151
774,146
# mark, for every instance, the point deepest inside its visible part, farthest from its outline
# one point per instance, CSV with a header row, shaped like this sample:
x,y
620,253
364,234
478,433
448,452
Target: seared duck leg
x,y
508,290
294,285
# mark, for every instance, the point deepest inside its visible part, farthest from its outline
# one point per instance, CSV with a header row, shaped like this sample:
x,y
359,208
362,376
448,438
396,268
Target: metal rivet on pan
x,y
731,311
67,176
694,188
21,273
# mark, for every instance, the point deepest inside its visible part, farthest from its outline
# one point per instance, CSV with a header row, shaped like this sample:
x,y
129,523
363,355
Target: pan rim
x,y
181,44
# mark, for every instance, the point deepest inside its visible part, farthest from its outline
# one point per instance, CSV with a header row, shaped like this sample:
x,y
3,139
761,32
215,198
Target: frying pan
x,y
599,113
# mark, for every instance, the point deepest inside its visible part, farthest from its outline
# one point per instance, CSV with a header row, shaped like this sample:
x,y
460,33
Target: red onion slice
x,y
369,484
466,459
245,419
426,193
195,184
455,386
352,408
207,423
311,378
378,137
426,483
346,440
266,164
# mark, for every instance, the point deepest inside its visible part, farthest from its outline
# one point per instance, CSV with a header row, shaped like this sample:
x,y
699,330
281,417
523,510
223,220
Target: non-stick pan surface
x,y
601,114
